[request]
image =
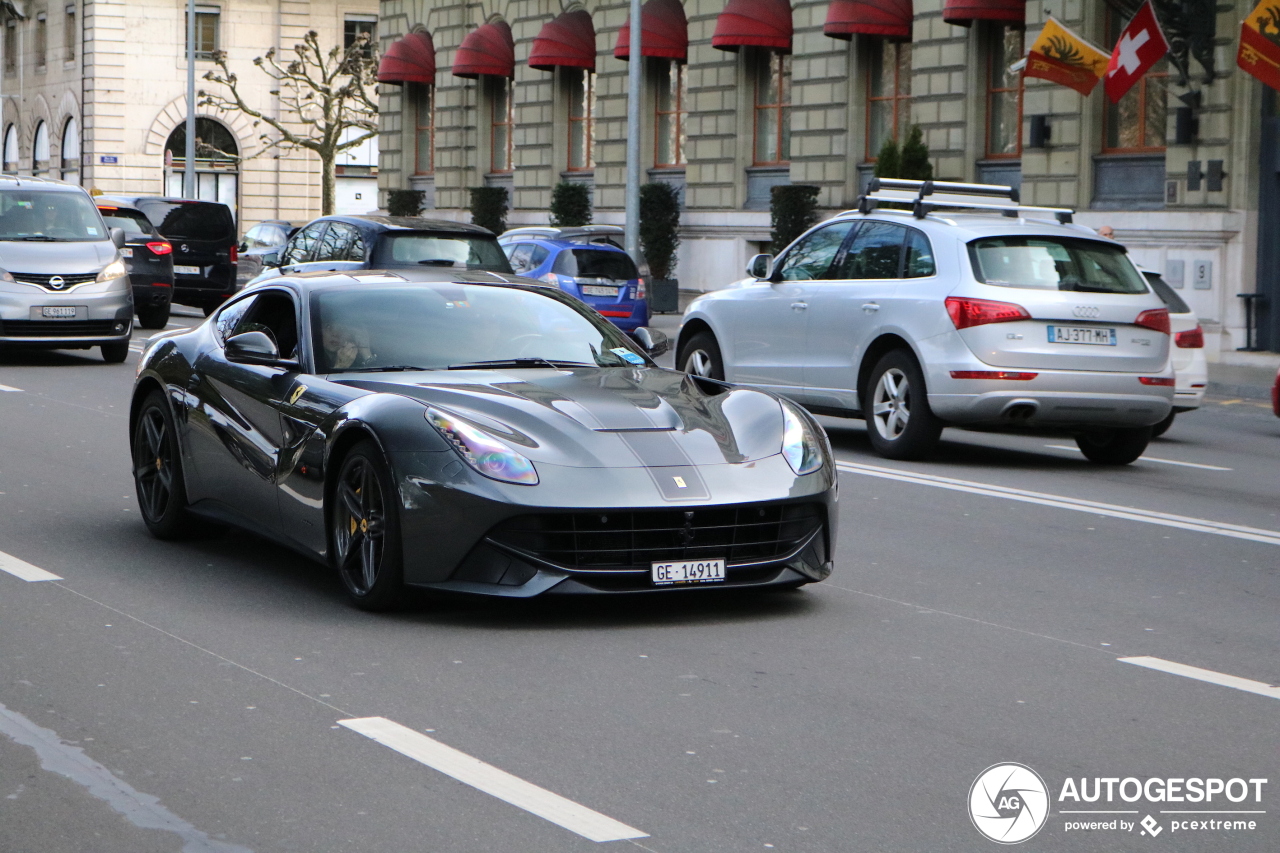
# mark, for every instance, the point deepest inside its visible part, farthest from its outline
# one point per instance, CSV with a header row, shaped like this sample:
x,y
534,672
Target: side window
x,y
919,255
333,245
356,249
230,316
876,252
812,256
298,251
538,257
273,312
521,257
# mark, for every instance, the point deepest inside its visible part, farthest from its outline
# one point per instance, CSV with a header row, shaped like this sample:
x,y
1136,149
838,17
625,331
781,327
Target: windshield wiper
x,y
437,262
519,362
385,368
37,238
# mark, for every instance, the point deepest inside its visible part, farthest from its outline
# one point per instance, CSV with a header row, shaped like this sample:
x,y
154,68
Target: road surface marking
x,y
26,571
1151,459
8,388
1196,525
498,783
1208,675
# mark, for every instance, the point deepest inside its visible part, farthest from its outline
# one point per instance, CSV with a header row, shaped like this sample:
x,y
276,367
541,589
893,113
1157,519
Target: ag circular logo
x,y
1008,803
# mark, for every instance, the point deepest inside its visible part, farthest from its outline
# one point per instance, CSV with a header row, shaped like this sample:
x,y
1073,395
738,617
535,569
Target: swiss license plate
x,y
598,290
181,270
126,253
58,311
687,572
1082,335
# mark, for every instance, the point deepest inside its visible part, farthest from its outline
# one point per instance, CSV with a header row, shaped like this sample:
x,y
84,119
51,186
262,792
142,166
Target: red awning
x,y
890,18
569,40
411,59
965,12
664,32
758,23
488,49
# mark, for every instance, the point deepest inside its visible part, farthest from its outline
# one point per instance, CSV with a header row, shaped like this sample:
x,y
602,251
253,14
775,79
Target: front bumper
x,y
103,315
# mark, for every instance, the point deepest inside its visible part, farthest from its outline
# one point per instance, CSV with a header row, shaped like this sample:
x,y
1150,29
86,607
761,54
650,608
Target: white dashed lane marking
x,y
498,783
1208,675
1182,522
1151,459
8,388
24,570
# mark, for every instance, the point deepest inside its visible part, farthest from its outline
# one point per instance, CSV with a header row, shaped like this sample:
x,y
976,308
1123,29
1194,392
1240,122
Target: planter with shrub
x,y
659,239
489,208
405,202
793,210
570,205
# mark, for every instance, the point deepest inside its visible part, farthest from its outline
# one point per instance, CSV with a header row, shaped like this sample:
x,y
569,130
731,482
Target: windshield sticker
x,y
93,231
627,355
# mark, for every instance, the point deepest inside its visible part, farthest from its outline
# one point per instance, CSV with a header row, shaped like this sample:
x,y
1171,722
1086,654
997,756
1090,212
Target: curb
x,y
1246,392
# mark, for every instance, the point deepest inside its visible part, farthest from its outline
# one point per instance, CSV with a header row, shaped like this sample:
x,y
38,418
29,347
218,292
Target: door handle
x,y
870,307
799,306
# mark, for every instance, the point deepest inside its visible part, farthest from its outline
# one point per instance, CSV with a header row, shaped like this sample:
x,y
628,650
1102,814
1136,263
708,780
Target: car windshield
x,y
190,220
135,225
447,325
595,263
49,217
1167,294
440,249
1055,263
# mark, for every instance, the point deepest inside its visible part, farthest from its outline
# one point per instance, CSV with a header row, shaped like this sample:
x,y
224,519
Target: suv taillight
x,y
235,253
640,292
1190,339
967,312
158,247
1155,319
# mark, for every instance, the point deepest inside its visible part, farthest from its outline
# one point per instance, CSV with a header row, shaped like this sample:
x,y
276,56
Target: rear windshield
x,y
440,249
1055,263
133,222
595,263
49,217
1167,295
191,220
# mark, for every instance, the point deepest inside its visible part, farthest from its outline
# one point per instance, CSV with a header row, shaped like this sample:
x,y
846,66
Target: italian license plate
x,y
688,572
126,253
63,311
598,290
1082,335
181,270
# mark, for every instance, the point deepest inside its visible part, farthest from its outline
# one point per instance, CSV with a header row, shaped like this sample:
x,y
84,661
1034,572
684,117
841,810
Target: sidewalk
x,y
1249,381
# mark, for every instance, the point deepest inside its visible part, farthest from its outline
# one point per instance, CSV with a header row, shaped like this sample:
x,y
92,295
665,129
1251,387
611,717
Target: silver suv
x,y
960,308
63,284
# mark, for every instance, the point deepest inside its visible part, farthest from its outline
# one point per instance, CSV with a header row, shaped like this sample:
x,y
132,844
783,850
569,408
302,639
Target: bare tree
x,y
324,97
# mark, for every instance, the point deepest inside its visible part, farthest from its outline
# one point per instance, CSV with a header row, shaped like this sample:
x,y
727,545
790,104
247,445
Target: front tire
x,y
364,530
700,356
900,423
1114,446
115,353
157,472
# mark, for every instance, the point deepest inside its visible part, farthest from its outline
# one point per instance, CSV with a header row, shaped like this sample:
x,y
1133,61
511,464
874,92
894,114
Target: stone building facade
x,y
94,91
742,95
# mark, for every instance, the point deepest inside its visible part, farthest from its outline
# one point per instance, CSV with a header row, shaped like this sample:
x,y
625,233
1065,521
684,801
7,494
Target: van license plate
x,y
126,253
63,311
598,290
687,571
181,270
1082,335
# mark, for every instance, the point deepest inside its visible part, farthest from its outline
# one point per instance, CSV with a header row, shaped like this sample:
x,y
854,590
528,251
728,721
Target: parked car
x,y
334,243
262,239
474,432
584,262
1189,366
1275,395
149,258
63,284
916,320
203,234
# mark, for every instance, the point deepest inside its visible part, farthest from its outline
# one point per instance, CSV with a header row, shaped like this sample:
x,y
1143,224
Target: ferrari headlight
x,y
491,457
113,270
802,448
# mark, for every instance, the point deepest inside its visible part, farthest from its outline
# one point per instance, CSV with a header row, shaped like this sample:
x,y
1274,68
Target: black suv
x,y
203,234
149,259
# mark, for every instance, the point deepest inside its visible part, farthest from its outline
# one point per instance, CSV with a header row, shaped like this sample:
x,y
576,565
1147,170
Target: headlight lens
x,y
115,269
5,275
491,457
802,448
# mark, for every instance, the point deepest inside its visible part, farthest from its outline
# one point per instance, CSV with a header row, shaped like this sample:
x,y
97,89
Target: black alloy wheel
x,y
700,356
895,404
115,353
1114,446
157,473
365,530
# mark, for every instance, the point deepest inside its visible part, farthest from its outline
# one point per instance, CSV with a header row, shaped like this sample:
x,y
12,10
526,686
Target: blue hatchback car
x,y
584,262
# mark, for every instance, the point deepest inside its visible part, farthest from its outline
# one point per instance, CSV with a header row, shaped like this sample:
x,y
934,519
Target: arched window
x,y
40,150
11,149
71,151
217,162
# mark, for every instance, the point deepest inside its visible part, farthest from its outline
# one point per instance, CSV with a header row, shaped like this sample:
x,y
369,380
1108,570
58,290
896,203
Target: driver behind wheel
x,y
345,345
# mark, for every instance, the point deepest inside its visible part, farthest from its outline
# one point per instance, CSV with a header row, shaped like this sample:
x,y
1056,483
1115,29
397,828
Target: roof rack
x,y
927,196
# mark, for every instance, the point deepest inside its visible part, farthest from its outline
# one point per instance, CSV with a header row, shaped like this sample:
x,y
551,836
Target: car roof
x,y
374,222
310,282
574,233
972,226
117,203
10,182
133,200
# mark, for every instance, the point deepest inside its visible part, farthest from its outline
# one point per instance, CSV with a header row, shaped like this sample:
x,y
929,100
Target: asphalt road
x,y
188,697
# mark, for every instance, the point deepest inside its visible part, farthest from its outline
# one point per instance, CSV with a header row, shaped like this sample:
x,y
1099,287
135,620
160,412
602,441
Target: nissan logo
x,y
184,248
1086,311
57,282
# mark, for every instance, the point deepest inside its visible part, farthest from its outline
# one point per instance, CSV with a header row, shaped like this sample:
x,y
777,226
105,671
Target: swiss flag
x,y
1141,46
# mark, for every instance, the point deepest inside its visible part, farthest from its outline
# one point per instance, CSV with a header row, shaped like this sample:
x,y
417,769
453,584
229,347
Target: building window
x,y
217,162
581,85
10,46
888,94
671,113
40,150
71,151
355,26
69,32
207,25
11,150
501,119
42,40
424,128
1004,94
773,110
1137,123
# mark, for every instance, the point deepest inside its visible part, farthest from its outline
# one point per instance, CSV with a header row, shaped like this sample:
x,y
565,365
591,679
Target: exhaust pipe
x,y
1020,411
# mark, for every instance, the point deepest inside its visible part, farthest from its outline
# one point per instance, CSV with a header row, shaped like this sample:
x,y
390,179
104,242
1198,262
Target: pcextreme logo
x,y
1008,803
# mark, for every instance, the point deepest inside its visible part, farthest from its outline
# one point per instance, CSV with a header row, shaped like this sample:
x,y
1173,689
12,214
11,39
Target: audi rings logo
x,y
1086,312
1008,803
57,282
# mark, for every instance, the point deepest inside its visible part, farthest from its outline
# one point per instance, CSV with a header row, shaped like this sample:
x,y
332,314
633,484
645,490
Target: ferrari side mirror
x,y
654,341
256,348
